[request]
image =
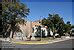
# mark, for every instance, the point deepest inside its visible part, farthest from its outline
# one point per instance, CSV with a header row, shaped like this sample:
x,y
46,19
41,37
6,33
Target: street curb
x,y
46,42
30,43
40,42
58,41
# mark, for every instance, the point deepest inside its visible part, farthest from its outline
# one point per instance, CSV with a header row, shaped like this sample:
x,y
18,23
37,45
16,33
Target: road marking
x,y
46,42
31,42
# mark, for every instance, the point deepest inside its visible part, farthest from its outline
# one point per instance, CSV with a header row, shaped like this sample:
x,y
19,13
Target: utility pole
x,y
41,24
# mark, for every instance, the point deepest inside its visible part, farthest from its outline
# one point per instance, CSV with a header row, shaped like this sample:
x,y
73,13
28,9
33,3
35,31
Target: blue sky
x,y
72,13
37,9
46,0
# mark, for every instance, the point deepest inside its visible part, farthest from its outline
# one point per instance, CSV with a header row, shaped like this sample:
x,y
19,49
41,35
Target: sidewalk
x,y
48,40
4,39
60,39
43,41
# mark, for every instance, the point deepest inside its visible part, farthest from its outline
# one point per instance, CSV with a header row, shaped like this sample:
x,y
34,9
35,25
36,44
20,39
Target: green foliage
x,y
67,27
54,21
12,10
72,26
13,13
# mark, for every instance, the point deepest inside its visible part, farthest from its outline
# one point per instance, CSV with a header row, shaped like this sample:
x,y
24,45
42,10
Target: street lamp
x,y
41,29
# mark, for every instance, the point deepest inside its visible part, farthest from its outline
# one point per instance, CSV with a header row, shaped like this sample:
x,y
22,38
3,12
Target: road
x,y
63,44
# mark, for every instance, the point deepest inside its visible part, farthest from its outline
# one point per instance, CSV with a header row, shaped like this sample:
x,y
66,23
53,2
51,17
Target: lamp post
x,y
41,29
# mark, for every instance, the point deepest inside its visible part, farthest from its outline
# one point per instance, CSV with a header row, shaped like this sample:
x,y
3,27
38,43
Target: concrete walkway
x,y
43,41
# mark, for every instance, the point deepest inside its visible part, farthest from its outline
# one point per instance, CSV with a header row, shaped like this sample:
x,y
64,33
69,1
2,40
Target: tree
x,y
13,13
68,27
54,22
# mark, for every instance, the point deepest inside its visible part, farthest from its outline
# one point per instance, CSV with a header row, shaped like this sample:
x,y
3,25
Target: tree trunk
x,y
11,35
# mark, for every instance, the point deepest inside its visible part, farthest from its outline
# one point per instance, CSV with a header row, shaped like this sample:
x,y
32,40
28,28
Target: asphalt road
x,y
63,44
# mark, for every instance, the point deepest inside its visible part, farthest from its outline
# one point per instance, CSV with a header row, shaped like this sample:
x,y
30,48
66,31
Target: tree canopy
x,y
13,13
54,20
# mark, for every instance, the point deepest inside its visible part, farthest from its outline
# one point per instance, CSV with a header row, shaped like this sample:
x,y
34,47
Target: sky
x,y
46,0
37,9
72,13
